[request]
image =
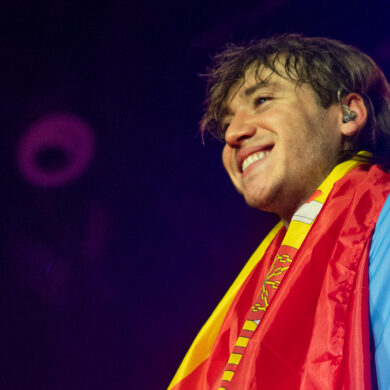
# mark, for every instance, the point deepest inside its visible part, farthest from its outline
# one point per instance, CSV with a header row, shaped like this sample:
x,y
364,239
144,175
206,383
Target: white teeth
x,y
253,158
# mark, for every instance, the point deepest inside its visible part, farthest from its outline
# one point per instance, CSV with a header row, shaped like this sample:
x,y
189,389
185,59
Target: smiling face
x,y
280,144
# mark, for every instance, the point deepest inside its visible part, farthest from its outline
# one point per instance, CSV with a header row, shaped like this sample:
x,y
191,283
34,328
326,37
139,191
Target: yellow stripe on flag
x,y
242,342
227,376
250,325
235,358
204,341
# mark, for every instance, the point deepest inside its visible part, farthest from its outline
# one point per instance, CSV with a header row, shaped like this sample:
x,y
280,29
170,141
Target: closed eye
x,y
260,100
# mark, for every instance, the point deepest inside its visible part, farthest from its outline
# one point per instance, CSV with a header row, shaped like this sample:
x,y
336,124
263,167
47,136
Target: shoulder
x,y
379,295
380,244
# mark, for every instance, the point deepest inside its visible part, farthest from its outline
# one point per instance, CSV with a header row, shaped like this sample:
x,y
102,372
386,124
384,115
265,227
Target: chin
x,y
262,194
259,203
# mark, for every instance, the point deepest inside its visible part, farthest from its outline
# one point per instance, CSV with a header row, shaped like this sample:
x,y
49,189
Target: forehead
x,y
254,80
254,75
257,78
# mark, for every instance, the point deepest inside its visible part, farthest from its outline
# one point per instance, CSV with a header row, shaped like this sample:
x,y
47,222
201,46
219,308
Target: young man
x,y
306,125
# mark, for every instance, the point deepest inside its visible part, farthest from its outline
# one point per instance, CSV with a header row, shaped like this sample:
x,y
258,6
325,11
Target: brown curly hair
x,y
327,65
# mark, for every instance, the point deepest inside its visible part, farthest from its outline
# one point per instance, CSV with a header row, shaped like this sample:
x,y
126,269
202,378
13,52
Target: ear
x,y
355,103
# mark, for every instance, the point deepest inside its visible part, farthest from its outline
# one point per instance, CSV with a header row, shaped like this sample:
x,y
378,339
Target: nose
x,y
240,129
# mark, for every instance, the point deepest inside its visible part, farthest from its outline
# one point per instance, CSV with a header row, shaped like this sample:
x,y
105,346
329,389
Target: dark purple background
x,y
104,282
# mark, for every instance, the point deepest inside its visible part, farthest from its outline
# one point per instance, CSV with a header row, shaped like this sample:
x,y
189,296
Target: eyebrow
x,y
251,90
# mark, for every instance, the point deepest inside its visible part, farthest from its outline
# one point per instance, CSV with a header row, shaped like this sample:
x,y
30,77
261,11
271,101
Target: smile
x,y
253,158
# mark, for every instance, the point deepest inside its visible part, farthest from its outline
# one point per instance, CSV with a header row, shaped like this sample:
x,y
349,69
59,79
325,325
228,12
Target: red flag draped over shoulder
x,y
314,334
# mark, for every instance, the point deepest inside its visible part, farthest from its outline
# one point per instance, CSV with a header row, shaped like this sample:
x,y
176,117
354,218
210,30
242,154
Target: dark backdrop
x,y
106,279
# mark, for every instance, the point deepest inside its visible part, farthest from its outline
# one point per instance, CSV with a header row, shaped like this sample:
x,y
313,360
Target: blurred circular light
x,y
55,150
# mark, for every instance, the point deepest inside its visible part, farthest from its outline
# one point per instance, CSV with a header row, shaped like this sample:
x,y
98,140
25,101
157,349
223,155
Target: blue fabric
x,y
379,295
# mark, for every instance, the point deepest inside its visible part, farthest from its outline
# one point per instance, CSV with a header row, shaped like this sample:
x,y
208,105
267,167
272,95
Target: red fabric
x,y
315,333
206,374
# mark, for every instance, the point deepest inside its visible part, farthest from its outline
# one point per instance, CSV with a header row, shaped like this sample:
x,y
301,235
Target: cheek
x,y
227,158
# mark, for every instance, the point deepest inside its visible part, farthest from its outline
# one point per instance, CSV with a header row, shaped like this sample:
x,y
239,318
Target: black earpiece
x,y
349,115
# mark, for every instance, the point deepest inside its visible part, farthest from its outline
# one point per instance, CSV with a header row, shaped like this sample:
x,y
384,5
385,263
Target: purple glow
x,y
66,133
